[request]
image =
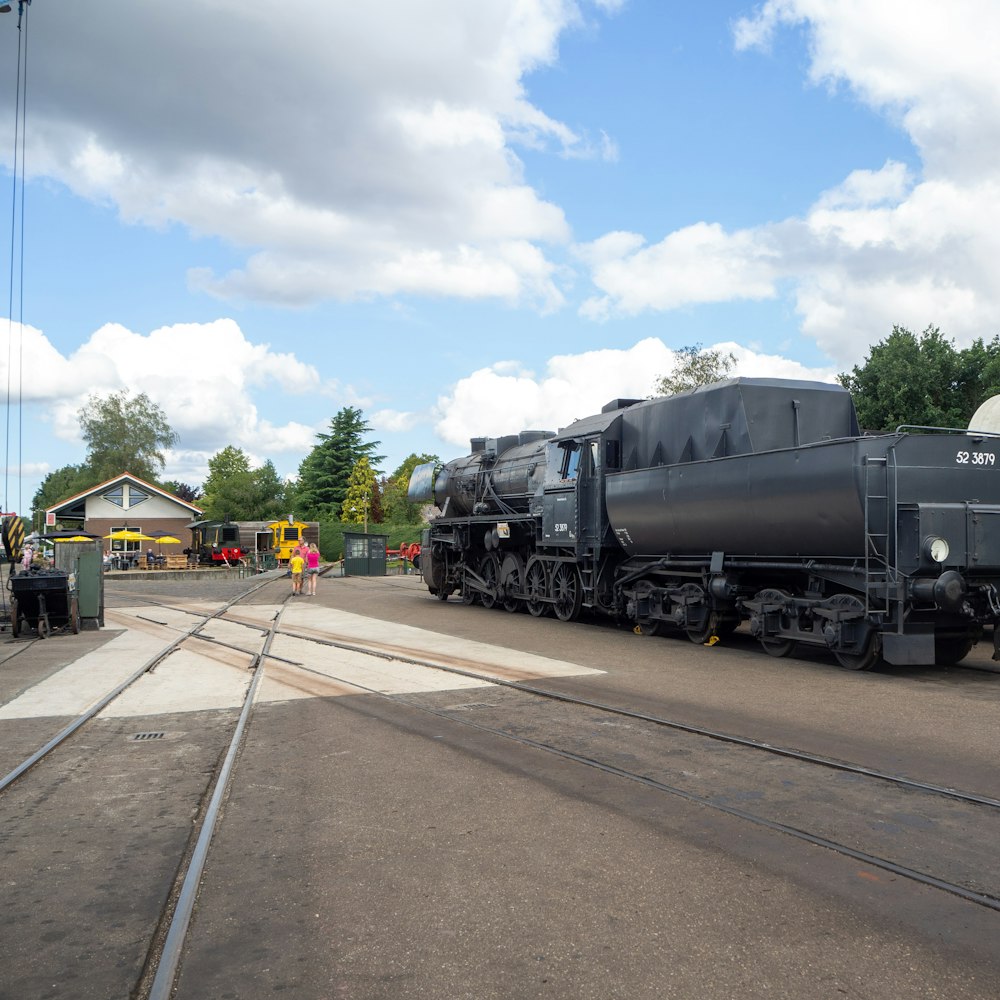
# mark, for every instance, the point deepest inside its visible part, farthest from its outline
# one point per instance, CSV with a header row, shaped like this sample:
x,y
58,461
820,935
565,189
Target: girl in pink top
x,y
312,569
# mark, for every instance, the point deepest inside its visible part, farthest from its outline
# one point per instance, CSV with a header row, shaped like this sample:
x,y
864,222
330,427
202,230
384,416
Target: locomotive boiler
x,y
751,500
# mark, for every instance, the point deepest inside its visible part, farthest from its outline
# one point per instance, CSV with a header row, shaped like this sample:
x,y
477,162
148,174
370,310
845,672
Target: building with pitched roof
x,y
125,502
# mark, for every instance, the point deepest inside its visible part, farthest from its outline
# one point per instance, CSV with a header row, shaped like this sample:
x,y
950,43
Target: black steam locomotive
x,y
752,500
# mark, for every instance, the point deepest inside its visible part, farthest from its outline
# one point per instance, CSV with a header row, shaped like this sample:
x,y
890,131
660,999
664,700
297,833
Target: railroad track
x,y
963,824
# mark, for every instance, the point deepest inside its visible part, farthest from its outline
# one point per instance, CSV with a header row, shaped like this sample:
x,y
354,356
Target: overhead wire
x,y
11,526
17,260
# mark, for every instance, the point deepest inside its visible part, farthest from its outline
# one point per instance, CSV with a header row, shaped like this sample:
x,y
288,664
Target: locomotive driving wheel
x,y
870,652
567,593
489,570
534,587
512,582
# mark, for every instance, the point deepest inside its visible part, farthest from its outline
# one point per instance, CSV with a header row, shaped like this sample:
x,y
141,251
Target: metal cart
x,y
44,600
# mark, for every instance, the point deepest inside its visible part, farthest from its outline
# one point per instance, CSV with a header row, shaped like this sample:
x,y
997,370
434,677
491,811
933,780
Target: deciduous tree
x,y
922,379
362,503
236,490
60,484
695,366
398,509
124,433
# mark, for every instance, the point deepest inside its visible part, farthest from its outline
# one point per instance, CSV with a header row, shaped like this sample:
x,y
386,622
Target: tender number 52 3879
x,y
975,458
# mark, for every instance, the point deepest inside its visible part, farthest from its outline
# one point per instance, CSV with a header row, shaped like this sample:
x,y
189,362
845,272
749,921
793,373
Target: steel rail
x,y
744,741
104,701
970,895
166,970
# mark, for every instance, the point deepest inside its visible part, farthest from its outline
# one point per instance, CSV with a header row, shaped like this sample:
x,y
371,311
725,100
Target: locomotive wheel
x,y
951,649
512,580
534,586
700,634
489,570
871,654
774,645
643,625
566,592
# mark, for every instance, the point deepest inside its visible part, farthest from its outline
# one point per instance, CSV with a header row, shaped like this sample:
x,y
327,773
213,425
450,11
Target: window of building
x,y
116,496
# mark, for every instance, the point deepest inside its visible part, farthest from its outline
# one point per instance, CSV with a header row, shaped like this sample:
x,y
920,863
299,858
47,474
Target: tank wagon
x,y
750,500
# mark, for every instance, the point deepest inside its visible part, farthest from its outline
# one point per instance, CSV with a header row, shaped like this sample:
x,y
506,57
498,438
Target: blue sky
x,y
471,219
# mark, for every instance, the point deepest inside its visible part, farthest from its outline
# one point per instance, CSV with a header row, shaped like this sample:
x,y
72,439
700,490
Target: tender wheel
x,y
512,582
74,616
567,592
641,605
774,645
489,570
42,627
534,586
951,649
700,634
872,652
15,619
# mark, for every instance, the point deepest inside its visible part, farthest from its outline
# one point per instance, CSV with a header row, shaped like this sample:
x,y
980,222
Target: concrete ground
x,y
370,851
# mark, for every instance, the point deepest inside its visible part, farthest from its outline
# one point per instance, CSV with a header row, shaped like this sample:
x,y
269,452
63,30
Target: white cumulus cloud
x,y
884,246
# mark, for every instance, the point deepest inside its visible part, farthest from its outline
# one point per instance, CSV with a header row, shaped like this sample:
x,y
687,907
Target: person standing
x,y
312,569
295,566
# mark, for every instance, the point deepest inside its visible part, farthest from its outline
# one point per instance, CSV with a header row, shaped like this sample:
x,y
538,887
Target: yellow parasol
x,y
129,535
75,538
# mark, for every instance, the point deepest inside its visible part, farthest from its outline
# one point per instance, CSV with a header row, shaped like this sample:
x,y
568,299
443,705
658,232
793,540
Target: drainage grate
x,y
148,736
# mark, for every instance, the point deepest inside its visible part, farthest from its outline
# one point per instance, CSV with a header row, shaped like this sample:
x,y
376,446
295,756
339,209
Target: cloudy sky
x,y
474,218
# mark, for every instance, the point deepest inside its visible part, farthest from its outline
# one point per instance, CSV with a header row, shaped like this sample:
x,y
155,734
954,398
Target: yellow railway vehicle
x,y
287,535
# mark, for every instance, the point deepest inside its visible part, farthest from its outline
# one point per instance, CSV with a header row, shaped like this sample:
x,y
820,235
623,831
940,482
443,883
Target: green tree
x,y
60,484
182,490
922,379
325,472
236,490
361,503
124,434
695,366
398,509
